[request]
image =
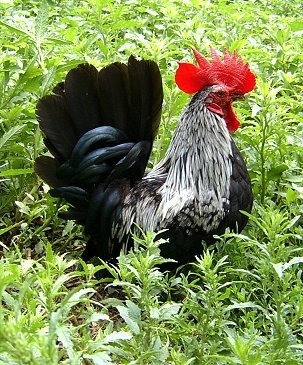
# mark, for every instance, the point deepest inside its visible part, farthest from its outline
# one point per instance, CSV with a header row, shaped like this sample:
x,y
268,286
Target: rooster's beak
x,y
235,97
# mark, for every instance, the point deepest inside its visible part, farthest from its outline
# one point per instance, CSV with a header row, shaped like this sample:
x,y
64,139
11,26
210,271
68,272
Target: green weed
x,y
241,302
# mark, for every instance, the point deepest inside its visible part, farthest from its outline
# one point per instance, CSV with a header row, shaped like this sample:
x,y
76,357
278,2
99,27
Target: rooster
x,y
100,128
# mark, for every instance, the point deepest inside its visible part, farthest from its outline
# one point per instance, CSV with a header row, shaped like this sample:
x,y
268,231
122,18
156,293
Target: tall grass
x,y
241,302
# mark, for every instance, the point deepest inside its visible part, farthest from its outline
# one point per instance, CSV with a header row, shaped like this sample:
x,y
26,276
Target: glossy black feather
x,y
89,99
145,114
132,165
114,90
82,98
57,124
72,194
240,196
109,202
59,89
132,98
46,167
77,214
103,202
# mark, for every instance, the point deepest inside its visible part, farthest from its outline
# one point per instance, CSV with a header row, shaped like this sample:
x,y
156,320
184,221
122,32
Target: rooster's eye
x,y
221,94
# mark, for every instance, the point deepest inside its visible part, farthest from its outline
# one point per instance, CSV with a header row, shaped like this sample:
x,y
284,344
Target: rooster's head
x,y
226,79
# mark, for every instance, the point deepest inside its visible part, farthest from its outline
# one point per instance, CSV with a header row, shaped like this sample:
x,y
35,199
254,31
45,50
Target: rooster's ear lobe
x,y
188,78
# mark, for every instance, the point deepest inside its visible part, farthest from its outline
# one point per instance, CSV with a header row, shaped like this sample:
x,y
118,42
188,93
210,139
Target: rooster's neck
x,y
197,166
199,152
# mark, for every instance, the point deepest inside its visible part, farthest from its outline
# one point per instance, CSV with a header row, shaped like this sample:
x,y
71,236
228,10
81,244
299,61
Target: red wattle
x,y
231,119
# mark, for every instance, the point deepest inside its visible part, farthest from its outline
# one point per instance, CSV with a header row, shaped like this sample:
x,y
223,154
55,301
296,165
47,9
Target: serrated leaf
x,y
13,113
99,358
16,29
95,317
116,336
124,313
168,310
9,136
133,310
41,22
64,336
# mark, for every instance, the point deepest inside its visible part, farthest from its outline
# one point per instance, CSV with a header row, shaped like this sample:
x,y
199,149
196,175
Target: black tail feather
x,y
132,165
59,89
114,94
82,98
57,124
126,97
146,99
46,167
115,112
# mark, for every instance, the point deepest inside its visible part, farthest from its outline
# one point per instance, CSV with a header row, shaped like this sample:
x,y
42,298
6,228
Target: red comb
x,y
230,71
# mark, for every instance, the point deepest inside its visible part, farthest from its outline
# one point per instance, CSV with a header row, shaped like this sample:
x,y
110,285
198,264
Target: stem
x,y
262,157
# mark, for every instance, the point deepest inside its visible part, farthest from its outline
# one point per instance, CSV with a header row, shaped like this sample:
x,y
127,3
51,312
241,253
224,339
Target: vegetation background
x,y
242,301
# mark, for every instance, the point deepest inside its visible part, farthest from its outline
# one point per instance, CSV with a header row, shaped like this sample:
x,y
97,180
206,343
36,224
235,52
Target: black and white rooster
x,y
100,127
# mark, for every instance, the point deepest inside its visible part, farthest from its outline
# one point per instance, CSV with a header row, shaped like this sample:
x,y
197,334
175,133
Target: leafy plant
x,y
241,301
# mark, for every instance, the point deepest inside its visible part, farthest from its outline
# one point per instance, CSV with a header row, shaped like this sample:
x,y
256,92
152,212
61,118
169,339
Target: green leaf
x,y
7,229
64,336
16,172
291,196
293,261
279,269
117,336
23,208
95,317
99,358
58,41
297,25
244,306
16,29
41,23
132,324
276,172
168,310
9,136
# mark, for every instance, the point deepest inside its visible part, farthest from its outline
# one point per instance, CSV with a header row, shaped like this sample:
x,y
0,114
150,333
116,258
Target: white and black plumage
x,y
100,129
